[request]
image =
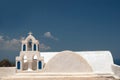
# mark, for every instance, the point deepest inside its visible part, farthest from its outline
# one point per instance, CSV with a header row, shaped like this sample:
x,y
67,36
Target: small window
x,y
24,47
18,65
34,47
39,65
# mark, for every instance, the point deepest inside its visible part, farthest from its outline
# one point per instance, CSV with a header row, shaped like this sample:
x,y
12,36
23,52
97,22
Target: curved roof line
x,y
63,55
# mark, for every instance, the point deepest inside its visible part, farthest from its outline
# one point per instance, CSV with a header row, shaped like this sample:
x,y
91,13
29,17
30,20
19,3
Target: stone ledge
x,y
56,78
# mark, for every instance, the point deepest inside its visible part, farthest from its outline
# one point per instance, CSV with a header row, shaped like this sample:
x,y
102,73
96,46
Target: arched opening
x,y
24,47
18,65
39,65
35,57
25,58
34,63
34,47
25,63
29,45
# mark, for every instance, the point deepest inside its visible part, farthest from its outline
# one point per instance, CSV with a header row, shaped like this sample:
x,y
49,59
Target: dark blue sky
x,y
78,25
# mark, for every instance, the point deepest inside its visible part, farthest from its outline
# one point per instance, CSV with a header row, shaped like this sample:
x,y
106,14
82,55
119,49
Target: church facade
x,y
31,59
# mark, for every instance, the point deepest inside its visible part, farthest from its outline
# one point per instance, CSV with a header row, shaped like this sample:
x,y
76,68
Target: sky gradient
x,y
77,25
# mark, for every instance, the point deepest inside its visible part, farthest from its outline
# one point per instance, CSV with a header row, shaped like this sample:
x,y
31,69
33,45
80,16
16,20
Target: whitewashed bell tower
x,y
29,59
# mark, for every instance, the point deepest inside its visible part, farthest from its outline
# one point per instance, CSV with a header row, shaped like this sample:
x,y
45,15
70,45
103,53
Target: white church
x,y
64,63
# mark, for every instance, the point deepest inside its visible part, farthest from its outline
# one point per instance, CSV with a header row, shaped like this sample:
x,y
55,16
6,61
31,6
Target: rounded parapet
x,y
67,61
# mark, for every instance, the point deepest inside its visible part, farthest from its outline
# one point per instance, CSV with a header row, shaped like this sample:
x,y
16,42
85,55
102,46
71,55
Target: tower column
x,y
26,47
36,47
37,65
32,46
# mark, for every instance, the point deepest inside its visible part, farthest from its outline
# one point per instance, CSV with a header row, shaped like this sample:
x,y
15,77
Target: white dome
x,y
67,61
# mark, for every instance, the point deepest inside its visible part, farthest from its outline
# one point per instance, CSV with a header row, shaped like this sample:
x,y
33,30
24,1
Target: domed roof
x,y
67,61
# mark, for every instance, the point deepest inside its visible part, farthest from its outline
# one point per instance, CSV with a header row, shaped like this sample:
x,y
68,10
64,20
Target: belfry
x,y
29,58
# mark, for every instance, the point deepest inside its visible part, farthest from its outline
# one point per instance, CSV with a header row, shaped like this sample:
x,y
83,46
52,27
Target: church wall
x,y
100,61
25,65
32,59
7,71
116,70
68,61
34,65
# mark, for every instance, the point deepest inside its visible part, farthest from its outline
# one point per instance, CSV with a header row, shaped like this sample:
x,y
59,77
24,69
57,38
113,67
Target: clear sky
x,y
77,25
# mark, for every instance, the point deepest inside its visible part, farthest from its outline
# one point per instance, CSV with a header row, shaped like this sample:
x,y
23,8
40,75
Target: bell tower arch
x,y
30,49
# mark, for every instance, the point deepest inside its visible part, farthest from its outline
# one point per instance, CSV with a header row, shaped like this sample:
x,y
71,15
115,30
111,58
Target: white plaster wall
x,y
6,71
48,55
100,61
116,70
68,62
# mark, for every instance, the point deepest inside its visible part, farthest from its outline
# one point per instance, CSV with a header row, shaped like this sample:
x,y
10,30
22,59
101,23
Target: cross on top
x,y
30,33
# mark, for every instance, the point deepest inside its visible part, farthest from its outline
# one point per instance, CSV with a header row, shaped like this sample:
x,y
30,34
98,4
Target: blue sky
x,y
77,25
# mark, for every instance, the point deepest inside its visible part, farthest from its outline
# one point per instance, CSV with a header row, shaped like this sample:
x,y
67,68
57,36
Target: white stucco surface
x,y
67,62
6,71
116,70
100,61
